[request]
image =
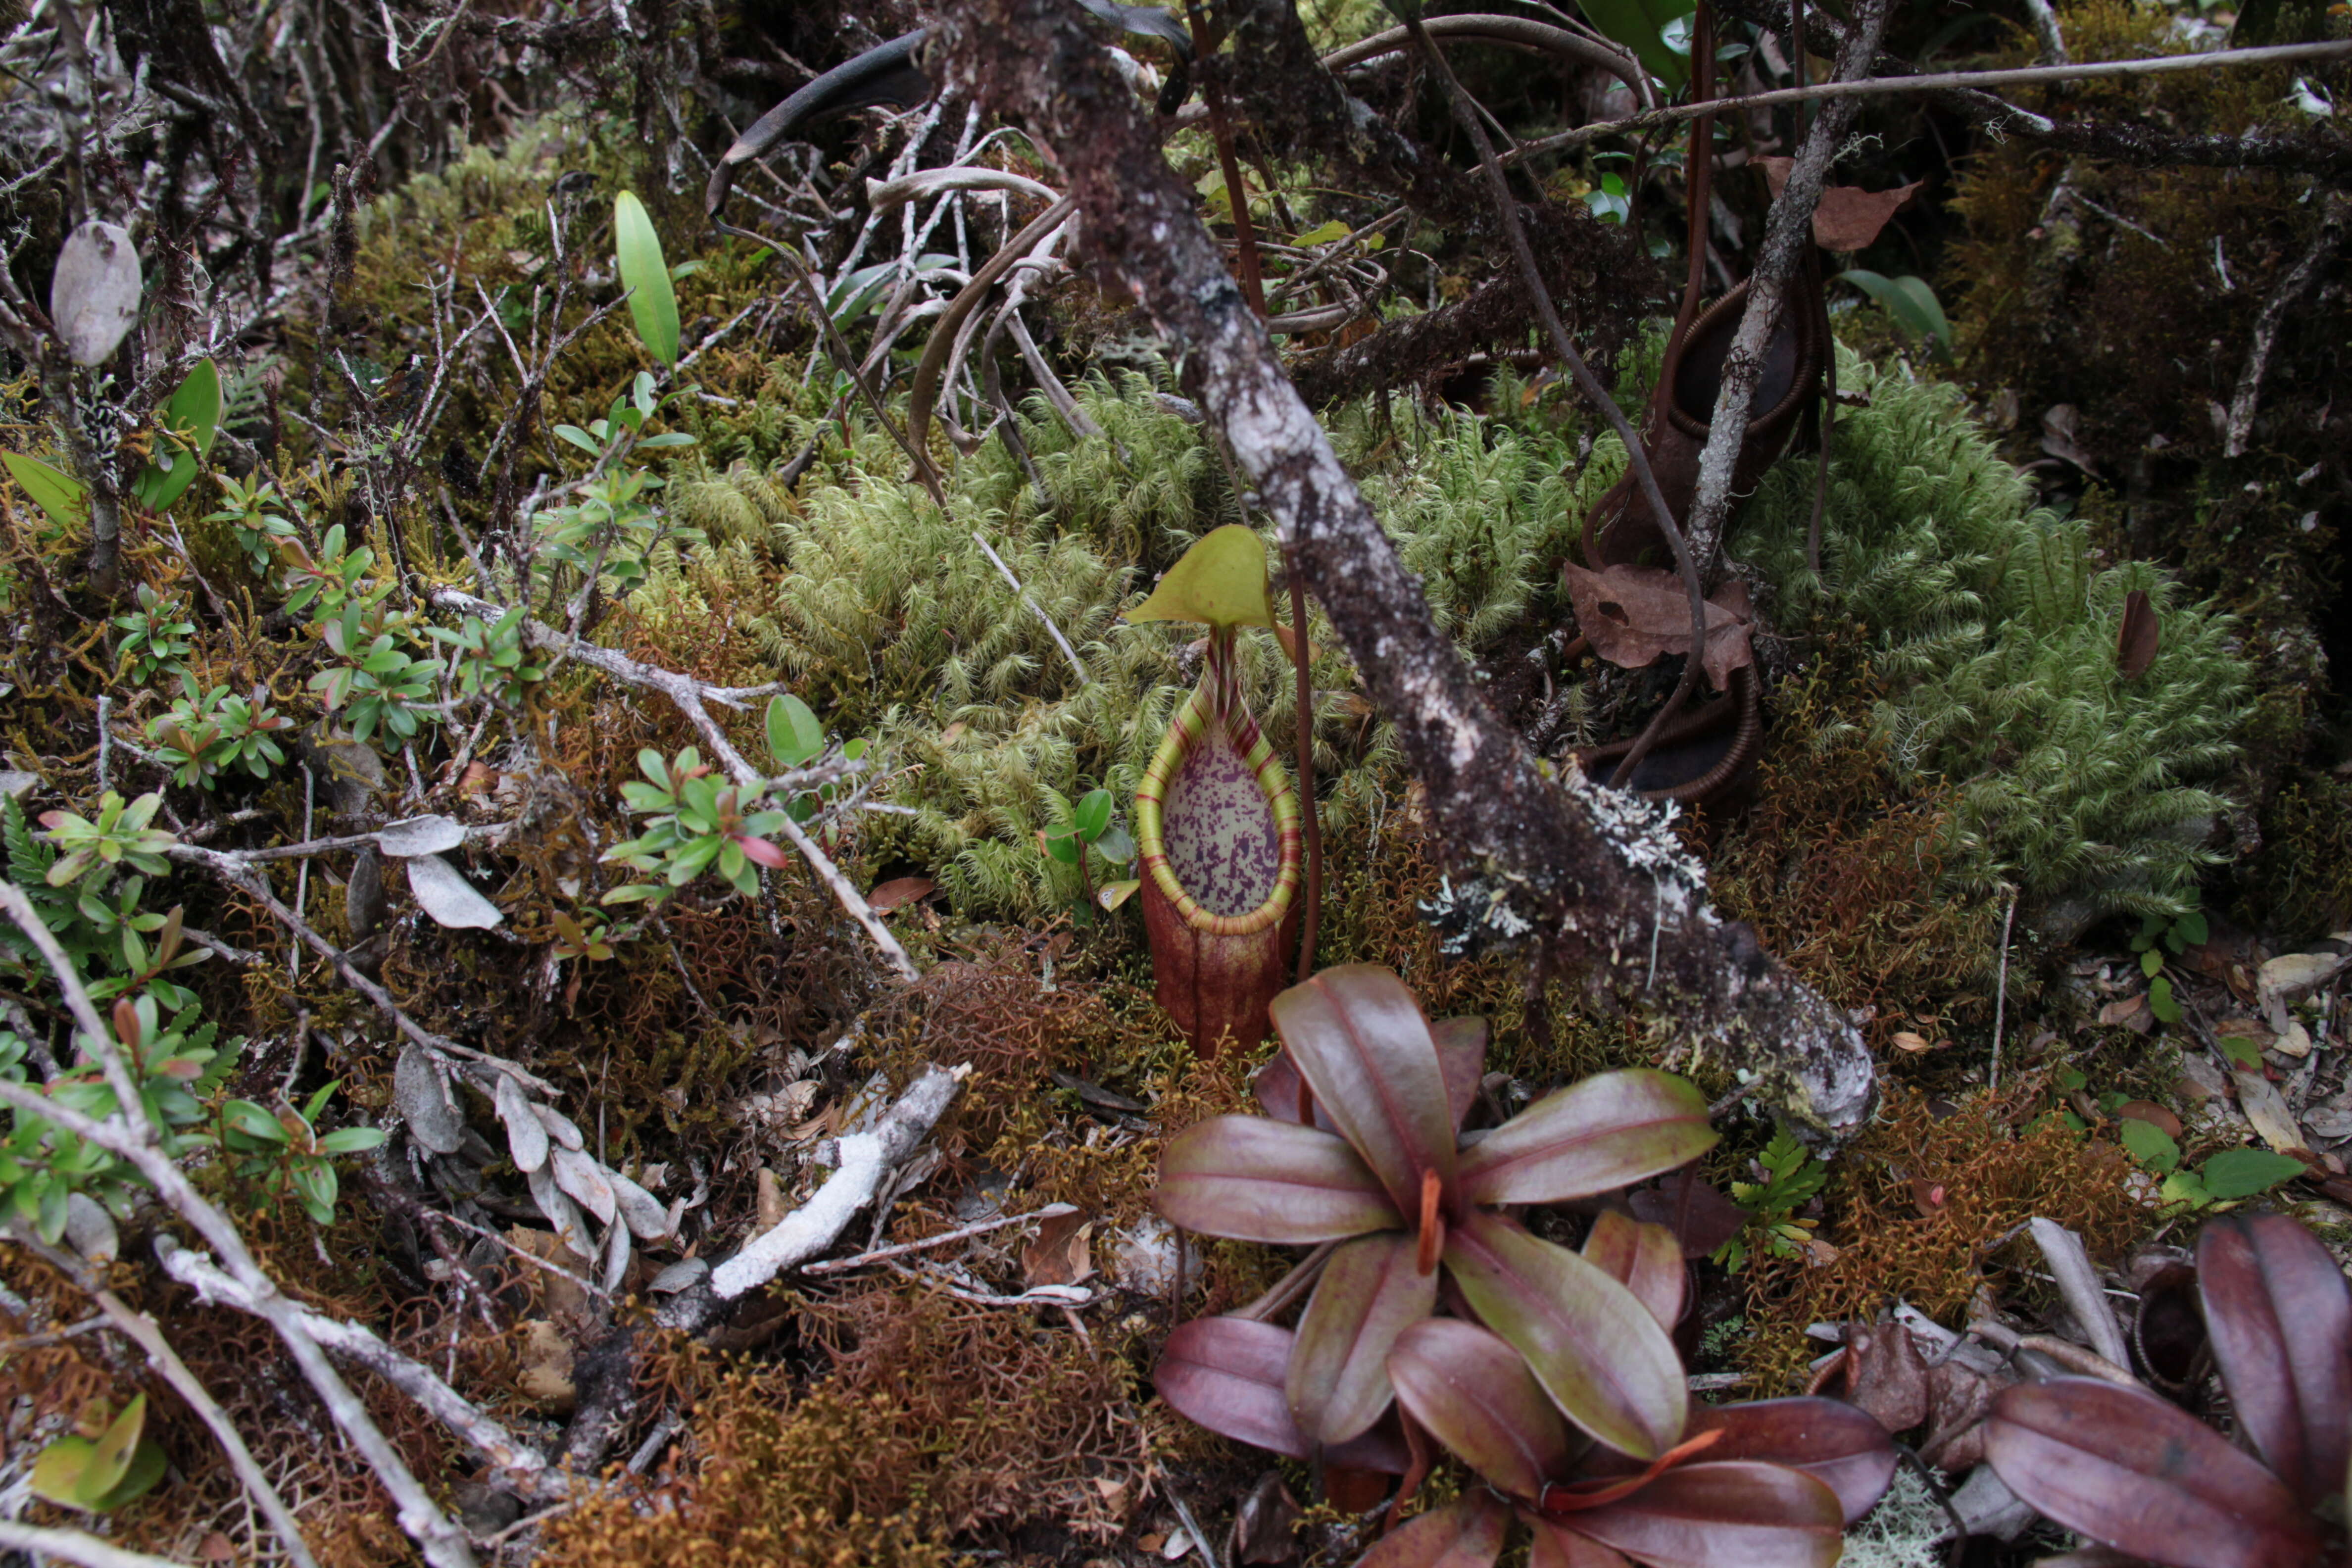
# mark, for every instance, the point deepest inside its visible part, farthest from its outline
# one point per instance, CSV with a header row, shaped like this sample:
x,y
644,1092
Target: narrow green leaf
x,y
56,492
652,303
1910,300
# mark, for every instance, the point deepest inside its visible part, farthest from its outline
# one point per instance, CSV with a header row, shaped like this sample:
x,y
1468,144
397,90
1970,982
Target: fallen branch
x,y
2285,298
130,1135
865,1158
1592,877
688,696
961,1233
1971,83
515,1465
2086,1299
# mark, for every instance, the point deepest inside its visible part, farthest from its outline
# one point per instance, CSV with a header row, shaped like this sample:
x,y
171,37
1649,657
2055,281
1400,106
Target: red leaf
x,y
1358,1037
1370,1292
1467,1534
1608,1130
2138,639
1462,1061
1718,1515
759,849
1692,1207
1588,1340
1256,1179
1476,1396
1226,1375
2280,1319
1558,1546
1644,1258
1282,1089
2135,1473
1842,1448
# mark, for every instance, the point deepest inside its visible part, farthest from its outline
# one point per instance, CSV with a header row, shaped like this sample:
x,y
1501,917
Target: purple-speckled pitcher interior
x,y
1221,841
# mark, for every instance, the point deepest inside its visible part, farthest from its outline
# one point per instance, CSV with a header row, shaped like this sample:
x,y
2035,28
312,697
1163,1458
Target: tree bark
x,y
1594,877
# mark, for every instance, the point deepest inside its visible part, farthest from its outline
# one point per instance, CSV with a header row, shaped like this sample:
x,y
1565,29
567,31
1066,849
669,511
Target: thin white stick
x,y
1068,651
75,1546
963,1233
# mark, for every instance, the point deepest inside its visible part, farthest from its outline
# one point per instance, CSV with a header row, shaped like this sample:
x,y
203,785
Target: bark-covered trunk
x,y
1595,877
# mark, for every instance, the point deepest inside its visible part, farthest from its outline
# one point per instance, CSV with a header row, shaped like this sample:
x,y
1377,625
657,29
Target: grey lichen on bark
x,y
1571,865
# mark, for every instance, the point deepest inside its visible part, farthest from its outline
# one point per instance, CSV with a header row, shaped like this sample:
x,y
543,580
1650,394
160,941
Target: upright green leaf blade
x,y
55,492
194,412
1910,300
109,1456
794,734
652,303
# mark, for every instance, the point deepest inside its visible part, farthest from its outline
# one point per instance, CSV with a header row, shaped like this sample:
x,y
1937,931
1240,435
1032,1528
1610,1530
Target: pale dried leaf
x,y
561,1213
526,1137
617,1259
444,894
640,1210
583,1178
417,1090
560,1128
416,836
89,1229
94,297
546,1377
2266,1108
681,1276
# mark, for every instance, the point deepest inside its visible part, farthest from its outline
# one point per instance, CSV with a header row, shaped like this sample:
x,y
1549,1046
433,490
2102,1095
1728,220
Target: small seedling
x,y
1090,833
1792,1178
104,1465
2158,935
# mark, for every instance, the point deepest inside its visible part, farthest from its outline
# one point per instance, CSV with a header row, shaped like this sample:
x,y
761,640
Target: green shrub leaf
x,y
652,303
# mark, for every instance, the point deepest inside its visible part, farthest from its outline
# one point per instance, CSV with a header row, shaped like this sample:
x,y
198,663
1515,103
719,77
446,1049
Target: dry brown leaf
x,y
899,891
1061,1252
546,1376
2131,1012
2266,1108
2155,1115
770,1205
1263,1521
1905,1040
1847,217
1636,615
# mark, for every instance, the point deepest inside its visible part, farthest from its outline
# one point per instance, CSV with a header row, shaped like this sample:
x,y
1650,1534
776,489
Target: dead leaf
x,y
1886,1375
584,1179
416,1091
1263,1524
216,1548
771,1209
1636,615
1929,1197
1060,1254
556,1296
1692,1207
2058,438
2137,639
899,891
1847,217
2155,1115
2131,1012
2266,1108
94,290
1905,1040
546,1376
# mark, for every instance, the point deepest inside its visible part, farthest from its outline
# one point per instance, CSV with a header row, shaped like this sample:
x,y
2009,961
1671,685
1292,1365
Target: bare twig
x,y
2284,299
143,1332
1688,560
130,1135
866,1159
961,1233
246,881
689,696
517,1466
1787,242
1942,81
